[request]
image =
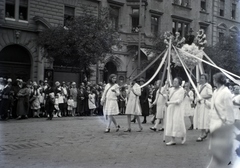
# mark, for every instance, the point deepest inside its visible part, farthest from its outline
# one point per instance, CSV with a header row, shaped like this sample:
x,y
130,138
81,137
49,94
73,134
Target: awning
x,y
148,52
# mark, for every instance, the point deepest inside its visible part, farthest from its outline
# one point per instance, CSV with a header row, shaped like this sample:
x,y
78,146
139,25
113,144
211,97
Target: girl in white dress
x,y
133,105
109,101
175,125
92,102
160,101
201,115
188,103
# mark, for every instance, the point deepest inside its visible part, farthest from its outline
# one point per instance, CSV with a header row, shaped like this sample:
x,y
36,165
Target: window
x,y
19,12
185,3
154,25
10,9
114,17
221,36
234,6
181,27
203,5
68,14
222,7
23,10
135,20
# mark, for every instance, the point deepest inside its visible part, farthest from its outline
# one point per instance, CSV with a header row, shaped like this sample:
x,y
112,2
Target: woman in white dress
x,y
236,102
188,103
201,116
133,105
222,110
160,102
109,101
175,126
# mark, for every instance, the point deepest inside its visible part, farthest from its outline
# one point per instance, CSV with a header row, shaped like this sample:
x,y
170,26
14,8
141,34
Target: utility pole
x,y
139,36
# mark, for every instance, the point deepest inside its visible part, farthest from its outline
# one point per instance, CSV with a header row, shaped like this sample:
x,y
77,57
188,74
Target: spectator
x,y
35,100
70,103
73,93
23,102
92,102
81,101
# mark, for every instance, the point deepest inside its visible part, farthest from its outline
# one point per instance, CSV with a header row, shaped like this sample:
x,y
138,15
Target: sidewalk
x,y
80,142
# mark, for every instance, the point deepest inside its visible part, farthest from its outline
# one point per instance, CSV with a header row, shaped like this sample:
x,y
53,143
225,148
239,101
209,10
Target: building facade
x,y
22,20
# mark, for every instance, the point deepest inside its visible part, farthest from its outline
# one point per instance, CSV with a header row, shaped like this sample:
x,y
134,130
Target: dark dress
x,y
5,102
86,107
80,102
154,109
144,101
23,101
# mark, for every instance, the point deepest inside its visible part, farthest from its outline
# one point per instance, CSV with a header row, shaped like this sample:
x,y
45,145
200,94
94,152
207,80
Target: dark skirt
x,y
22,106
145,108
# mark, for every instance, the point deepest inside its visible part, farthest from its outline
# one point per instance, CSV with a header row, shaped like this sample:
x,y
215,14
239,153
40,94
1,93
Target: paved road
x,y
80,142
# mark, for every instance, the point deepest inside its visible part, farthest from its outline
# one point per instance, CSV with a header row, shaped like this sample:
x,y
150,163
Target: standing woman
x,y
133,105
23,101
201,116
110,102
222,109
160,101
175,126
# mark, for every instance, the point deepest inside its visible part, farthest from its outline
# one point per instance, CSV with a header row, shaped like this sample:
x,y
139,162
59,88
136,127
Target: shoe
x,y
183,140
199,139
134,121
153,129
117,128
170,143
162,129
140,130
205,136
191,127
18,118
128,130
107,130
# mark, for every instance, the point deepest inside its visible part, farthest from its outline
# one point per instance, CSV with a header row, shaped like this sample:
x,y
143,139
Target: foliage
x,y
226,54
84,40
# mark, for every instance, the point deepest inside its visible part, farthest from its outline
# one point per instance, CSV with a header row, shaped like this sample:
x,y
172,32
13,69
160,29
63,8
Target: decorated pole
x,y
169,62
197,74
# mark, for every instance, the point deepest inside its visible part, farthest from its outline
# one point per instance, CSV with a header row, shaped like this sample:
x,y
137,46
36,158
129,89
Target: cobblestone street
x,y
80,142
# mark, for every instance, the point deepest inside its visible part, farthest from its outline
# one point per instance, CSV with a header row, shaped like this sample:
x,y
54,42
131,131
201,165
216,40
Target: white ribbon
x,y
155,74
189,77
230,77
215,66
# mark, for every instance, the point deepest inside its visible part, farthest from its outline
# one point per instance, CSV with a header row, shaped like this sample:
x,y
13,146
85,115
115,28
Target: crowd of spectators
x,y
23,99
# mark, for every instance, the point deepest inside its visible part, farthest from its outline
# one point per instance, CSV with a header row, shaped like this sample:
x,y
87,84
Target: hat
x,y
74,83
63,82
34,83
1,78
45,81
20,80
57,83
9,80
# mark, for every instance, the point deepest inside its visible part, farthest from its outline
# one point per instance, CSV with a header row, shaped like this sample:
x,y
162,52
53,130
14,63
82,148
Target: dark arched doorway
x,y
15,62
109,68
